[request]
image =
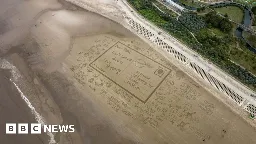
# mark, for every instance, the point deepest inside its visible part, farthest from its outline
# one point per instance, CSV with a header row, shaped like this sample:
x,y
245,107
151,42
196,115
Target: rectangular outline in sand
x,y
122,86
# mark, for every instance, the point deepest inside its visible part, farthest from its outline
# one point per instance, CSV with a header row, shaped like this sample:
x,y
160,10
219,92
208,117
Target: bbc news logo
x,y
35,128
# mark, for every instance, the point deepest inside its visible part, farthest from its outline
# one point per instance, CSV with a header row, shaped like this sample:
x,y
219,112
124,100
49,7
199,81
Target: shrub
x,y
192,21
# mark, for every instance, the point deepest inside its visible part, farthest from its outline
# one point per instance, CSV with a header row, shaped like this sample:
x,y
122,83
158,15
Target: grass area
x,y
234,29
251,38
204,11
192,3
254,22
234,13
217,32
152,16
250,3
242,56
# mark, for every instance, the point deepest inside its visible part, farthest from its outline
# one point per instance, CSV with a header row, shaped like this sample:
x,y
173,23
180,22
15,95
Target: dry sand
x,y
77,67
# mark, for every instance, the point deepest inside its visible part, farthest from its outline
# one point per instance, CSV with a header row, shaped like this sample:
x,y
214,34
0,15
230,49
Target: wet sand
x,y
77,67
28,42
13,109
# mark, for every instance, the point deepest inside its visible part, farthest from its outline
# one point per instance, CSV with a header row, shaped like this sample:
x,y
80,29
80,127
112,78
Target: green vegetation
x,y
214,48
217,32
234,13
250,37
254,10
226,52
192,3
242,74
153,16
203,10
242,56
213,32
165,9
165,21
216,21
254,19
250,3
192,21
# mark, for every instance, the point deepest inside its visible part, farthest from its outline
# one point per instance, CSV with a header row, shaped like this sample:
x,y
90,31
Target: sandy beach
x,y
77,67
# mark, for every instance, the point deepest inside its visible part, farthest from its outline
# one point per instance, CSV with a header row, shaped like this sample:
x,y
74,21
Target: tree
x,y
214,20
225,25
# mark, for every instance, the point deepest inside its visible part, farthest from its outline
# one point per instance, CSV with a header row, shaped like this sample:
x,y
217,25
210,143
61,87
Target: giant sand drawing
x,y
80,68
140,87
134,72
